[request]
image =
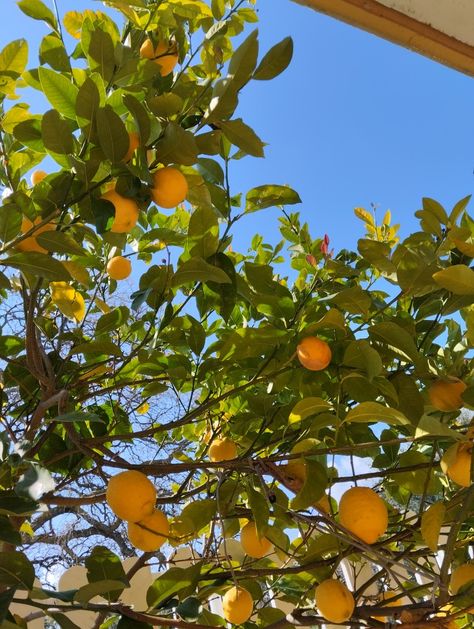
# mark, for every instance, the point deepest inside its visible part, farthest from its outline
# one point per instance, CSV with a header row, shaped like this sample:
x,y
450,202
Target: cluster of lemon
x,y
132,497
169,186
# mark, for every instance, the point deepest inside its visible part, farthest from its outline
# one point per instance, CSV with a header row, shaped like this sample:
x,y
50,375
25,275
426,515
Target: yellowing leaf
x,y
27,529
364,215
143,408
102,305
69,301
459,279
77,272
307,407
387,218
431,522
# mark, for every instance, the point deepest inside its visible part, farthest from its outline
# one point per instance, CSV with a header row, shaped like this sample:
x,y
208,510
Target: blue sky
x,y
354,120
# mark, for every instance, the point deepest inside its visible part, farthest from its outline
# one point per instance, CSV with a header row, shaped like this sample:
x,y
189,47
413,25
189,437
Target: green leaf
x,y
56,132
262,197
177,146
87,104
60,91
373,412
314,486
200,513
203,232
101,53
113,137
13,58
306,408
431,522
198,270
112,320
459,279
141,116
354,300
360,355
38,264
415,274
62,620
59,242
11,345
275,61
53,53
243,61
103,565
98,588
260,508
16,570
96,347
77,416
396,338
432,426
171,582
10,222
8,533
38,11
241,135
12,504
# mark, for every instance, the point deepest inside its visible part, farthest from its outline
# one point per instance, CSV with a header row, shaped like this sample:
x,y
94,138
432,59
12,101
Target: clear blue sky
x,y
354,120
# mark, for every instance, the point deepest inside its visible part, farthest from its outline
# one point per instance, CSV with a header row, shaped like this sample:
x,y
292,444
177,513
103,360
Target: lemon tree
x,y
166,395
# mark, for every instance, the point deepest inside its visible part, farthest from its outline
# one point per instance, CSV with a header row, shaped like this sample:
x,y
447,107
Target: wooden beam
x,y
401,29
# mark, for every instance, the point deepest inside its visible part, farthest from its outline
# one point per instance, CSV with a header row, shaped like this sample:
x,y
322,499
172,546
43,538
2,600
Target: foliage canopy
x,y
199,345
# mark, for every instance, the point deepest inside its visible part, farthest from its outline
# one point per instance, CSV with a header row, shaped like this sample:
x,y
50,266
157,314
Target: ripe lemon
x,y
222,450
30,243
456,463
169,187
164,54
313,353
237,605
461,576
445,395
364,513
131,495
126,212
150,533
253,545
134,143
37,176
334,601
119,268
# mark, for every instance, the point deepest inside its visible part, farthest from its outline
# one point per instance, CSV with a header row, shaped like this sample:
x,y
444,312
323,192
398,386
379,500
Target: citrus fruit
x,y
133,145
237,605
169,187
363,513
334,601
30,243
445,394
253,545
119,268
126,212
456,463
164,54
462,575
150,533
37,176
313,353
222,450
131,495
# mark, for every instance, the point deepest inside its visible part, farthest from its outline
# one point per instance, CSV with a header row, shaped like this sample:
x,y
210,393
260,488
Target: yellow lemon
x,y
334,601
364,513
169,187
445,394
131,495
456,463
150,533
237,605
126,212
253,545
164,54
314,353
119,268
222,450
